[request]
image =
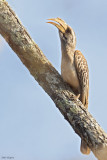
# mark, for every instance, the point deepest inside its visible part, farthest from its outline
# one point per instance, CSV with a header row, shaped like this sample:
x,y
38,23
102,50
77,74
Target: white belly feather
x,y
69,74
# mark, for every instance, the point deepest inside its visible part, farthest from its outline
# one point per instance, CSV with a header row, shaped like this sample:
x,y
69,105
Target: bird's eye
x,y
68,30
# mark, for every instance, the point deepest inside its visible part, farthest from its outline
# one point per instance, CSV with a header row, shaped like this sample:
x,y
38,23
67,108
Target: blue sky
x,y
31,126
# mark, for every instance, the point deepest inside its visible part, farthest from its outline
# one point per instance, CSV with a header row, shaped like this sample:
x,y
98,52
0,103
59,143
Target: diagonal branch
x,y
49,79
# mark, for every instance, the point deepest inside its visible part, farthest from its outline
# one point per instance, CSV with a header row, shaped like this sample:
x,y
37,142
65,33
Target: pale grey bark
x,y
49,79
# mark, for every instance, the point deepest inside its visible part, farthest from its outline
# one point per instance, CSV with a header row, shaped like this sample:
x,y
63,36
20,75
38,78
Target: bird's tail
x,y
84,148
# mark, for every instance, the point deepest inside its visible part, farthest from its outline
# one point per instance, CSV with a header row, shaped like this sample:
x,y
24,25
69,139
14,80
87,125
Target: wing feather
x,y
83,76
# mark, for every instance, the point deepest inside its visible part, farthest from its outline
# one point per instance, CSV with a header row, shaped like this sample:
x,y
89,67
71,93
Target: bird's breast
x,y
69,74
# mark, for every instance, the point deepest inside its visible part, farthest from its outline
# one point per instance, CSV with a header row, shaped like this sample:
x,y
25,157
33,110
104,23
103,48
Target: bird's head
x,y
66,33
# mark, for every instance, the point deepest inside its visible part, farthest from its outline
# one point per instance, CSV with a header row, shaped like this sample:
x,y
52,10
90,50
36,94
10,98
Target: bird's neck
x,y
68,53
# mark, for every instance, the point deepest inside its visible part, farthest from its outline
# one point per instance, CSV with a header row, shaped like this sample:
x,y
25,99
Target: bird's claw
x,y
78,96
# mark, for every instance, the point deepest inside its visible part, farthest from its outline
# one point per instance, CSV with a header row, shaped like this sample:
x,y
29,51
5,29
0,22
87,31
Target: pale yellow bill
x,y
62,26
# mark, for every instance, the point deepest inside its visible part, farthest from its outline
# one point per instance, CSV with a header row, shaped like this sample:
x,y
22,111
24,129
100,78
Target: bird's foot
x,y
77,96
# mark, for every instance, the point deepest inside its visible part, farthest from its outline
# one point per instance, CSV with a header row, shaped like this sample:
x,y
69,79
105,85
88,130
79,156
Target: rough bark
x,y
49,79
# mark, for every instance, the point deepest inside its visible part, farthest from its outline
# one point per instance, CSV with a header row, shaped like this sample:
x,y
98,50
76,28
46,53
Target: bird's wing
x,y
83,76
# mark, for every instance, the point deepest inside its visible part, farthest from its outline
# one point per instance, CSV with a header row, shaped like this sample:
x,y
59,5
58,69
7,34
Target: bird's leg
x,y
77,96
76,92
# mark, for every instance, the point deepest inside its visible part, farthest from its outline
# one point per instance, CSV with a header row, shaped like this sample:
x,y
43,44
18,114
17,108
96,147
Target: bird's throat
x,y
68,53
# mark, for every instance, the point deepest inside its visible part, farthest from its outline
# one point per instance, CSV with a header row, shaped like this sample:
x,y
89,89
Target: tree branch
x,y
49,79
